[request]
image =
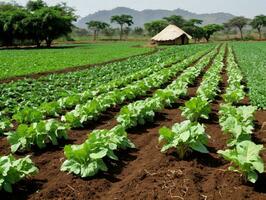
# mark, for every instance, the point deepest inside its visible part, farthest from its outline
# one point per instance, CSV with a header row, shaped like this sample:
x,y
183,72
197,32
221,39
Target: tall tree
x,y
210,29
258,23
122,20
56,21
176,20
97,26
155,27
240,23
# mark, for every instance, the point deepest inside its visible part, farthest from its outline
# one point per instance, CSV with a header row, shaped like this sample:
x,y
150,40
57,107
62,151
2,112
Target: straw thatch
x,y
172,34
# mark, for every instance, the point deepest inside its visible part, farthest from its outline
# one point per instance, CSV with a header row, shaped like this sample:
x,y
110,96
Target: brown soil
x,y
69,69
145,172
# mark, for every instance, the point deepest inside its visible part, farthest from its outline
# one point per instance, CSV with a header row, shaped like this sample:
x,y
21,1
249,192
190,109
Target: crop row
x,y
190,134
252,61
38,134
237,122
87,159
33,92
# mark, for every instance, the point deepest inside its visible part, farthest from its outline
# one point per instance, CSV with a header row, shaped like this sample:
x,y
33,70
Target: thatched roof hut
x,y
171,35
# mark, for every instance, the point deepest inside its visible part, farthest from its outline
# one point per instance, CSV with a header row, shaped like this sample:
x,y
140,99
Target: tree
x,y
210,29
240,23
155,27
258,23
122,20
56,21
33,5
191,27
97,26
11,26
176,20
33,28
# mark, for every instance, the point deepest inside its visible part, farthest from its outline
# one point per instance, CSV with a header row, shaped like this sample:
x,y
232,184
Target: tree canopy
x,y
258,23
36,22
122,20
240,23
155,27
97,26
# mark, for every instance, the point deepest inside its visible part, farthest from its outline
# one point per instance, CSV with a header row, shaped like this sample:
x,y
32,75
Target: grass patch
x,y
27,61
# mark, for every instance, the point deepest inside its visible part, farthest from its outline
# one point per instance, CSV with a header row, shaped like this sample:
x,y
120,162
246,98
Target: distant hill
x,y
141,17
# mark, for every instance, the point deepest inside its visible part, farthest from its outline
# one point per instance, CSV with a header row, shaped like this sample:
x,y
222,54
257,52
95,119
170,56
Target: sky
x,y
247,8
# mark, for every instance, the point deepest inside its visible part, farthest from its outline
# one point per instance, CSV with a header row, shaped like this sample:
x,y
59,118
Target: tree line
x,y
193,27
34,23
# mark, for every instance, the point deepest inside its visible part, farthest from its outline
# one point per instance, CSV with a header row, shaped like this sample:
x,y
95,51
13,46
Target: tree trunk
x,y
95,34
48,42
241,33
38,43
259,31
121,32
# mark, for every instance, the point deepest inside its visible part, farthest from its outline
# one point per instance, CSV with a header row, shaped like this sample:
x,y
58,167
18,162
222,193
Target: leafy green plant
x,y
86,160
37,134
238,121
196,108
28,115
12,171
245,159
185,137
5,124
51,109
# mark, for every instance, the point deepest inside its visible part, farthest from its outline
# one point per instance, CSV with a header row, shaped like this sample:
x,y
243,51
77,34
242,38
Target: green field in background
x,y
16,62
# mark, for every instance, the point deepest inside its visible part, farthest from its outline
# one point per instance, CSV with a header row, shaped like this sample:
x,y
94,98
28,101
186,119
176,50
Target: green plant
x,y
245,159
12,171
86,159
37,134
185,137
238,121
196,108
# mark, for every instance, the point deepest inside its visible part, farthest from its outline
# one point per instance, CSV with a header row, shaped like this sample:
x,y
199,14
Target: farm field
x,y
18,62
254,69
161,126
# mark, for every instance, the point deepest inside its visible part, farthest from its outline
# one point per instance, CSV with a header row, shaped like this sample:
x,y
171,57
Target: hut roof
x,y
171,32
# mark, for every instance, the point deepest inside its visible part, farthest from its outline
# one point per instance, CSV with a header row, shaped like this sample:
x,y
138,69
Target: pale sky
x,y
248,8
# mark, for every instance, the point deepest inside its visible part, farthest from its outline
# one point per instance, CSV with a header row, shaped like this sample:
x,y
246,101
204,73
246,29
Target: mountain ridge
x,y
147,15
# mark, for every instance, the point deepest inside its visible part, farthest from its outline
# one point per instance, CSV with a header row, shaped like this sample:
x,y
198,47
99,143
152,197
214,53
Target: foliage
x,y
258,23
251,59
97,26
245,159
155,27
184,137
122,20
86,160
196,108
240,23
13,170
234,91
210,29
36,22
30,61
37,134
175,20
238,121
